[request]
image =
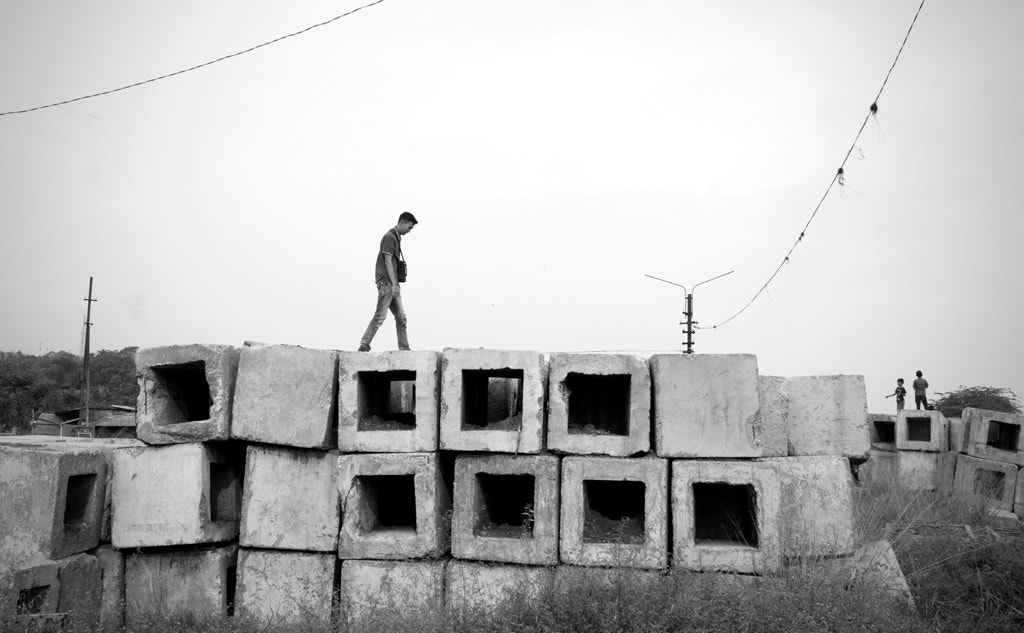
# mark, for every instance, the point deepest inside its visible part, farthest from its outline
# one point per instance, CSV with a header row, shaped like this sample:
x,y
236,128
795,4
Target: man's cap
x,y
408,217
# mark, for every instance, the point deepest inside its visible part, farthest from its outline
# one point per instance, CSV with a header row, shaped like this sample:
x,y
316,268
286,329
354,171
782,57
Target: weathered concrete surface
x,y
179,583
925,471
479,415
716,532
772,425
28,588
816,512
112,570
995,482
278,587
393,506
995,436
290,499
882,429
486,587
875,565
615,512
81,589
599,404
572,580
880,468
372,588
706,405
284,395
959,435
926,431
175,495
506,509
185,393
52,502
828,416
1018,500
372,420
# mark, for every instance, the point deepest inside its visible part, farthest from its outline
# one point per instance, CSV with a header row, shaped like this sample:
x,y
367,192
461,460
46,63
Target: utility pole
x,y
85,364
688,311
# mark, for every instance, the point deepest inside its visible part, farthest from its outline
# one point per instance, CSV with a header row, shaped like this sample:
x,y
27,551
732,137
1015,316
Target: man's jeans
x,y
386,300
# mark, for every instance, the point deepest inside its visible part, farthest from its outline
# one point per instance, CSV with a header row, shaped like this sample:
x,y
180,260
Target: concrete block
x,y
615,512
994,482
599,404
995,436
372,588
81,590
506,508
706,405
492,400
772,426
393,506
195,582
29,588
828,416
959,435
112,570
572,580
278,587
925,471
882,430
175,495
725,516
388,402
52,502
285,395
816,513
1018,500
476,587
290,499
185,393
879,469
874,565
926,431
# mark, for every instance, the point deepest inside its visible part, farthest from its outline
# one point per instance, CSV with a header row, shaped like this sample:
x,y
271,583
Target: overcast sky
x,y
554,153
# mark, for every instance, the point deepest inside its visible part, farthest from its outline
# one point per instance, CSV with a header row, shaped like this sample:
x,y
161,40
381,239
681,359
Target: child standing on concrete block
x,y
920,395
900,393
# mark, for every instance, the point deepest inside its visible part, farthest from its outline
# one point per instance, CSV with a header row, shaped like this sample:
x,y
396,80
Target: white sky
x,y
554,152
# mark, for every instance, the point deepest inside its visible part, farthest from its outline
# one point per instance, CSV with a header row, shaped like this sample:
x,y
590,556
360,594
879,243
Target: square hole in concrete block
x,y
387,503
919,429
505,505
597,404
186,390
387,400
230,581
725,514
1003,435
885,432
81,491
613,511
31,600
989,483
492,399
224,492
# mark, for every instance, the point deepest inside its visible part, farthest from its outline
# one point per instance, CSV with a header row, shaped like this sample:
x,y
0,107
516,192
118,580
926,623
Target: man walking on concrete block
x,y
390,272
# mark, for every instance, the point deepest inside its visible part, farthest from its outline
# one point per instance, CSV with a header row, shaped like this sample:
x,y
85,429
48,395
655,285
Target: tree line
x,y
54,382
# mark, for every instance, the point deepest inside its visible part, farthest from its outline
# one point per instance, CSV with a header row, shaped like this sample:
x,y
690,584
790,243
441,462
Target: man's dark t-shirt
x,y
390,244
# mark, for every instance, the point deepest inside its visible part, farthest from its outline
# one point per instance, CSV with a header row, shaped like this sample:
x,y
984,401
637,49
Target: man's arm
x,y
389,264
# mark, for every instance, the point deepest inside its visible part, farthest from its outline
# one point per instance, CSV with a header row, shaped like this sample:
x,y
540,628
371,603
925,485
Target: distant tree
x,y
112,377
951,404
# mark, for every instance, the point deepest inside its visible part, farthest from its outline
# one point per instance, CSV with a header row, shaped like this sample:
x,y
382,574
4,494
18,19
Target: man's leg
x,y
383,302
398,310
917,401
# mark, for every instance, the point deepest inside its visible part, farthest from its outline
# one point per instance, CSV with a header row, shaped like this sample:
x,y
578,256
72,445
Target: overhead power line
x,y
836,178
190,69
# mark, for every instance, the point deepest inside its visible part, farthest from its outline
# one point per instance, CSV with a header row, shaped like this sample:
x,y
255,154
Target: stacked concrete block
x,y
772,425
28,589
285,395
994,482
393,506
506,509
816,511
185,393
388,402
81,589
995,436
1018,501
290,499
52,502
615,512
599,405
371,588
925,431
828,416
285,587
959,435
486,587
918,470
175,495
706,405
492,401
725,516
112,572
882,429
198,583
880,467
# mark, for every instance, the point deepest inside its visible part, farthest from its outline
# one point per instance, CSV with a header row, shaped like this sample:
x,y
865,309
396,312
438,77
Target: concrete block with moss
x,y
485,587
370,588
195,583
285,587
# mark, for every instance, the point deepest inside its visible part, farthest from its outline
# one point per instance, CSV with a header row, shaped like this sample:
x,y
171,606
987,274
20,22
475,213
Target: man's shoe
x,y
363,348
